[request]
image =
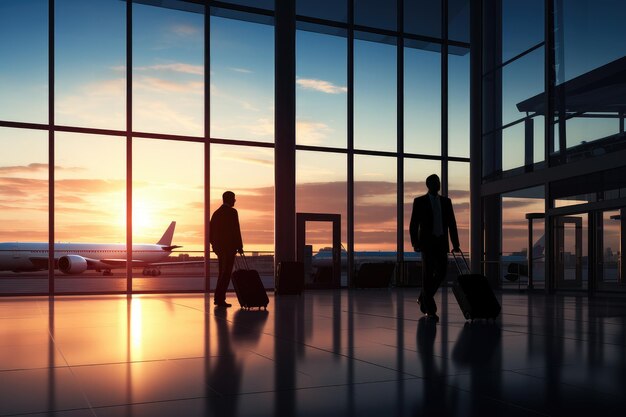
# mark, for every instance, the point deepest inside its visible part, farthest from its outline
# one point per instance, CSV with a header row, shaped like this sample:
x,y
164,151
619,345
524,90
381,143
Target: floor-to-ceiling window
x,y
132,115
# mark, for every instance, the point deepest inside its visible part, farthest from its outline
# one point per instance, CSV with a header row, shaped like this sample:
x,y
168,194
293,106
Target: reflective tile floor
x,y
342,353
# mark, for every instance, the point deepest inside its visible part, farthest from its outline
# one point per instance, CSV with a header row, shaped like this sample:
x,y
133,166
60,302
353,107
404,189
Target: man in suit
x,y
225,237
431,221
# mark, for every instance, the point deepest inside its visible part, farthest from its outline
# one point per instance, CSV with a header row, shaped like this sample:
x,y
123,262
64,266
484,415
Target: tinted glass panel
x,y
242,80
522,26
90,212
168,71
23,210
24,52
249,173
458,191
321,90
375,216
458,20
323,9
423,17
458,105
422,101
90,83
375,96
379,14
160,197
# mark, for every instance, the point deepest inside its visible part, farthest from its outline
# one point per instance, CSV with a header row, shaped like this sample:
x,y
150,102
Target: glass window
x,y
375,89
459,193
458,20
321,187
458,105
23,209
168,71
160,197
513,147
591,33
90,83
422,101
375,202
522,79
514,261
321,90
375,13
415,173
255,201
242,80
336,10
423,17
24,52
90,212
522,26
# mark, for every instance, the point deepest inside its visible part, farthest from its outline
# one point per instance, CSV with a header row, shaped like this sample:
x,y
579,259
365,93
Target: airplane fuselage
x,y
30,256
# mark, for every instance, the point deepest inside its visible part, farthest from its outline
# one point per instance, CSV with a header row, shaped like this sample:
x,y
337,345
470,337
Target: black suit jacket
x,y
225,234
421,227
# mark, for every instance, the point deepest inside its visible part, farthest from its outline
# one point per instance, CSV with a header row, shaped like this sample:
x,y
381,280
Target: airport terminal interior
x,y
122,123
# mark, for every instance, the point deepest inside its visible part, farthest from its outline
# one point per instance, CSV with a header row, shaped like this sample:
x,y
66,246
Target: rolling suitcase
x,y
248,287
473,293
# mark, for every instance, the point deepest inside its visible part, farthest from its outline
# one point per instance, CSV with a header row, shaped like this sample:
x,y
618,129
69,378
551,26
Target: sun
x,y
143,217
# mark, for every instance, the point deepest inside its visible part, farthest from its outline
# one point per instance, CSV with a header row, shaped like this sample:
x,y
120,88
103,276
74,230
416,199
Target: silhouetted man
x,y
431,221
225,236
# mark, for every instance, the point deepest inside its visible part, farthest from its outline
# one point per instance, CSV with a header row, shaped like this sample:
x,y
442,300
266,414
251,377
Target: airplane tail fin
x,y
166,239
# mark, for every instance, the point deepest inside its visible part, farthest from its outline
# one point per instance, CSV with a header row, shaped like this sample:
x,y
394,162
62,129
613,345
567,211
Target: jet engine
x,y
72,264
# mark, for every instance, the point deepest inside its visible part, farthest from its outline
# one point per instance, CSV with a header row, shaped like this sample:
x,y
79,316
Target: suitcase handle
x,y
456,262
245,261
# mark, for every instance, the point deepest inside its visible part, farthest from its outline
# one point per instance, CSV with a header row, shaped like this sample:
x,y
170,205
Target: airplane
x,y
76,258
515,265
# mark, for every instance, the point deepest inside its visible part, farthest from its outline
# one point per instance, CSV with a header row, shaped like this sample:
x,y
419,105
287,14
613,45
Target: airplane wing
x,y
138,263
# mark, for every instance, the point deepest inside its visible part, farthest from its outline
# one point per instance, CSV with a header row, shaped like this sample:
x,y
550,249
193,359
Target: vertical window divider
x,y
400,141
444,97
129,147
350,123
51,155
207,149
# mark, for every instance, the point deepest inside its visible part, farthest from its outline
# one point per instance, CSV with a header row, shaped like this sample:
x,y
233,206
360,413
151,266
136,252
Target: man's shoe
x,y
223,304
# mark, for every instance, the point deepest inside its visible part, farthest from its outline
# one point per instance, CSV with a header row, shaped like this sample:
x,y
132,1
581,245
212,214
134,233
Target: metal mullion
x,y
51,154
515,58
207,149
444,98
241,8
400,140
350,123
129,146
321,22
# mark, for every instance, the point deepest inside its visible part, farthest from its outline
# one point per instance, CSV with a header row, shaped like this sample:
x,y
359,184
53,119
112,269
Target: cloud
x,y
155,84
34,167
174,67
321,86
185,30
89,186
240,70
312,133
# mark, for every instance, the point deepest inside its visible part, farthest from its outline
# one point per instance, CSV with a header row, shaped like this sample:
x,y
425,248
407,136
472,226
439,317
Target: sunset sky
x,y
168,95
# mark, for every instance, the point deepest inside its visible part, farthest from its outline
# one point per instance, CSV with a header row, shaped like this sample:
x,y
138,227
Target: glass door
x,y
610,242
569,252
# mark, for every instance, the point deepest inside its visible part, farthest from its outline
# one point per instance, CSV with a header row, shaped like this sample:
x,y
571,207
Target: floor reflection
x,y
349,353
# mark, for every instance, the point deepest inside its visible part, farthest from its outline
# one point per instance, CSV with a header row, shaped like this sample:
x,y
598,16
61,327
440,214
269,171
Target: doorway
x,y
322,270
569,268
